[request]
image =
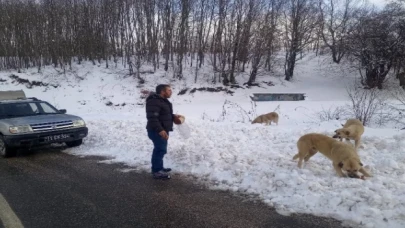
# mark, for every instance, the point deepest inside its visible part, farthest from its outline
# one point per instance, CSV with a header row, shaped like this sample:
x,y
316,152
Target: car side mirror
x,y
63,111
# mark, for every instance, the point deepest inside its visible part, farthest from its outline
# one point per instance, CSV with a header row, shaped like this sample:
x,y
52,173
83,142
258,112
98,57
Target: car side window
x,y
47,108
21,109
34,107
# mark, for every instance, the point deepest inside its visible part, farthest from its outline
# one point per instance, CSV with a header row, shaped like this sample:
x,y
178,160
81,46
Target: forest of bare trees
x,y
227,35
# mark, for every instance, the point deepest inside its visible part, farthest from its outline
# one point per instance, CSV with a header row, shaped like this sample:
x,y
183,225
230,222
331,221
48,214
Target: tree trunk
x,y
290,64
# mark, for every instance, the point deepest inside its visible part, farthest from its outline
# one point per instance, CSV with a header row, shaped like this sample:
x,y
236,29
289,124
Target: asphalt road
x,y
53,189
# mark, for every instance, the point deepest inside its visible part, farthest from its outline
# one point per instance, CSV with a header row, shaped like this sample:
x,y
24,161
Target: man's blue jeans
x,y
159,150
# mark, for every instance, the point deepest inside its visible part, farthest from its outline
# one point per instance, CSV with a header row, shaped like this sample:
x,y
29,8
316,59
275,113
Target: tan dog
x,y
353,129
267,118
343,156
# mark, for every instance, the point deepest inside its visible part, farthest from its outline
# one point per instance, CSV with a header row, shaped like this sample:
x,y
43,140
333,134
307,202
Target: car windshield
x,y
9,110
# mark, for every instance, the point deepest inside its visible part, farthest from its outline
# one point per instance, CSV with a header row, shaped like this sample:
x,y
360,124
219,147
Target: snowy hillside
x,y
227,151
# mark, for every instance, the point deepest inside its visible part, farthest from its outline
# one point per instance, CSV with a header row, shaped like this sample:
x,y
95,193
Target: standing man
x,y
159,113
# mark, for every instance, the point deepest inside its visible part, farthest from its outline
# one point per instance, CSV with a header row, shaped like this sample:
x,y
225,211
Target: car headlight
x,y
20,129
79,123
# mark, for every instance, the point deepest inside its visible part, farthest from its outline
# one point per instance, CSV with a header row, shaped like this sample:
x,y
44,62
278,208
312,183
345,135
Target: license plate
x,y
55,137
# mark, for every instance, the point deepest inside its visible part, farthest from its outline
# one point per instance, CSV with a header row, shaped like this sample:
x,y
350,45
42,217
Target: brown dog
x,y
267,118
353,129
343,156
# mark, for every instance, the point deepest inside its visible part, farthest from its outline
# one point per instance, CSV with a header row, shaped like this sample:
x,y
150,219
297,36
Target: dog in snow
x,y
342,155
267,118
353,129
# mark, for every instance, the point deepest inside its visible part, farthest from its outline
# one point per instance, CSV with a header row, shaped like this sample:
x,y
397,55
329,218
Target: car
x,y
29,122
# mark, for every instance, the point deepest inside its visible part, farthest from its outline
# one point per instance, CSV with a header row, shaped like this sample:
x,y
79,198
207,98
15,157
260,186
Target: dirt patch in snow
x,y
30,84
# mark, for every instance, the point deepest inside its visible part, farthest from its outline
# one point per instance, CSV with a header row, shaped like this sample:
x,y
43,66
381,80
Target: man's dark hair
x,y
161,87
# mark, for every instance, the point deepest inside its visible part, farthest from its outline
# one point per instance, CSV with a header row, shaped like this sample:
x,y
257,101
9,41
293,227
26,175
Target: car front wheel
x,y
6,151
74,143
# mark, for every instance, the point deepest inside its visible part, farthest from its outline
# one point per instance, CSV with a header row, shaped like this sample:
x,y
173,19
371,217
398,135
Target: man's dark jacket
x,y
159,113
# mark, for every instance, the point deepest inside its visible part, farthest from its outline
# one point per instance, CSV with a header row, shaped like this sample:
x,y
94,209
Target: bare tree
x,y
375,45
204,14
221,40
260,32
399,106
364,103
168,24
183,30
337,19
235,34
273,32
300,21
217,37
251,14
236,38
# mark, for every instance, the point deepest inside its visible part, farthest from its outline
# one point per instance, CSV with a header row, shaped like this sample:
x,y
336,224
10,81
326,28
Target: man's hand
x,y
178,119
164,135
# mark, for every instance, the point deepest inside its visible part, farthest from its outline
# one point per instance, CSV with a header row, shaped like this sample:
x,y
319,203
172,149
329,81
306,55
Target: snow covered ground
x,y
228,152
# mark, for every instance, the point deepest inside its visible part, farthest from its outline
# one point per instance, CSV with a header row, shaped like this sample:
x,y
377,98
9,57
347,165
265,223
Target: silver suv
x,y
28,122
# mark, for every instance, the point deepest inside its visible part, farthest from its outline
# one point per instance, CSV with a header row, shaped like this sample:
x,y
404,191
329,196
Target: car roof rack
x,y
12,95
33,98
21,99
